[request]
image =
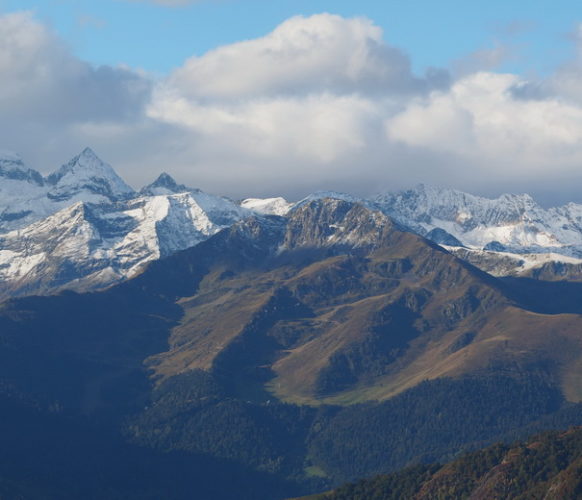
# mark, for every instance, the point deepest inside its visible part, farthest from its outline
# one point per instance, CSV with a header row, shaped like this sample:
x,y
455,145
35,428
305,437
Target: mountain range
x,y
83,228
292,347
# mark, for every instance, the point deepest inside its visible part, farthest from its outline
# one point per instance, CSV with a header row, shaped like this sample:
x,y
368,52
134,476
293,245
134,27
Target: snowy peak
x,y
88,178
85,226
90,246
426,207
164,185
512,222
12,167
267,206
425,203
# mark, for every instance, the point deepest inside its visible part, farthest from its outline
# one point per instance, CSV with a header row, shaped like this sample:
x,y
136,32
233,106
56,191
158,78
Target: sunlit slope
x,y
339,305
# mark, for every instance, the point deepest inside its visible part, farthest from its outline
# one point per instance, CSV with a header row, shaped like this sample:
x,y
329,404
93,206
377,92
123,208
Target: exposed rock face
x,y
331,223
509,236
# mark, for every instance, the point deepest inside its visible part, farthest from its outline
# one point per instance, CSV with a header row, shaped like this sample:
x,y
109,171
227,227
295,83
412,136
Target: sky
x,y
275,97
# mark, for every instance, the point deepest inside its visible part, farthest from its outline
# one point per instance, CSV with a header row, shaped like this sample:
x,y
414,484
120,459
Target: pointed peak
x,y
165,179
165,184
87,173
88,158
88,152
85,160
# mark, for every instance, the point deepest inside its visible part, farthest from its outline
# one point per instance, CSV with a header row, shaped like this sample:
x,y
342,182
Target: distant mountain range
x,y
82,227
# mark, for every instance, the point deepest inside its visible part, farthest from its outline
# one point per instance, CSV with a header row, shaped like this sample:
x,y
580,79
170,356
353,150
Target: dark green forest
x,y
192,433
434,422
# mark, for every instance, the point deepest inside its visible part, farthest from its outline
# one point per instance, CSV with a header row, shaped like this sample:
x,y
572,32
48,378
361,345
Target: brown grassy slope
x,y
368,322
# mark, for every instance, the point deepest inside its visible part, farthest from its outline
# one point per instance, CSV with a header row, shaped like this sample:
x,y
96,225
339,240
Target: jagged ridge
x,y
98,230
511,235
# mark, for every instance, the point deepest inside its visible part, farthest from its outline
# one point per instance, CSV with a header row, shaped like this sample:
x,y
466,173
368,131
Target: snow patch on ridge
x,y
267,206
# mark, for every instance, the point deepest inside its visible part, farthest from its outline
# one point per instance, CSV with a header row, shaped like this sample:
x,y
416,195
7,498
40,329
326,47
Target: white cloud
x,y
42,80
320,102
480,118
297,107
45,91
320,127
304,55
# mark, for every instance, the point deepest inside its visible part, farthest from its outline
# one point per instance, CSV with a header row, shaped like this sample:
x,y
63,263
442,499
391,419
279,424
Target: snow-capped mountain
x,y
509,235
106,232
545,266
87,178
514,223
89,246
12,167
26,196
165,184
82,227
22,192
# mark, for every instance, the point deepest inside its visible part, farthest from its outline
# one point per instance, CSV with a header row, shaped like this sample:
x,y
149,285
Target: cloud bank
x,y
320,102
